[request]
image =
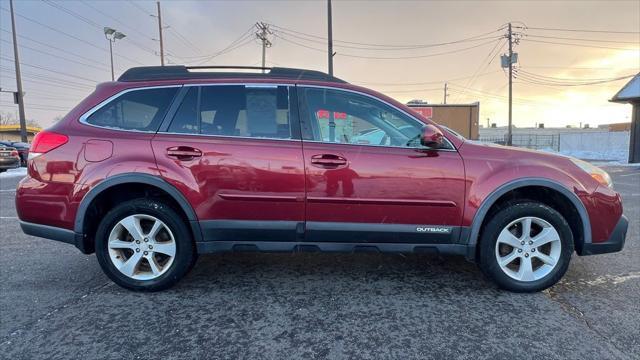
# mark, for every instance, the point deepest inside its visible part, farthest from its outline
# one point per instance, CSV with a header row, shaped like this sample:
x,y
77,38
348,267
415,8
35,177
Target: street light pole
x,y
330,37
112,35
111,56
19,97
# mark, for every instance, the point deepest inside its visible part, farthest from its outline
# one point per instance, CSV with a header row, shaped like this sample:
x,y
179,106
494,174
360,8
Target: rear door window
x,y
141,110
260,111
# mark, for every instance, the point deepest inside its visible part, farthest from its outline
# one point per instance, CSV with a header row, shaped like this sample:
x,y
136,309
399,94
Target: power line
x,y
386,58
537,79
248,34
280,28
56,56
410,91
53,71
39,78
95,24
391,48
66,51
131,28
580,45
583,30
487,61
580,39
71,36
426,82
579,80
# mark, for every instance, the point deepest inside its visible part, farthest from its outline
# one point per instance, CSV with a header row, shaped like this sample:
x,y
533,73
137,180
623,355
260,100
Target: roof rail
x,y
177,72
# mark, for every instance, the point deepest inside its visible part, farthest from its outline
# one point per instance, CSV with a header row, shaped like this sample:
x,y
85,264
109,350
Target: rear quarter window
x,y
140,110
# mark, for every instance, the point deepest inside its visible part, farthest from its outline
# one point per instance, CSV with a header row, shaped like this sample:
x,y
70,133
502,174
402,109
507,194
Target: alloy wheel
x,y
141,247
528,249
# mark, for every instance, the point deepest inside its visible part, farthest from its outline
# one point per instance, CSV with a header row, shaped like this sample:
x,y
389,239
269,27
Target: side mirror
x,y
431,136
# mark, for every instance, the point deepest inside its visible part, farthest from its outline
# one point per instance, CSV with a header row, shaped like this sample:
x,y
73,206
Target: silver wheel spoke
x,y
545,258
132,224
506,237
506,260
526,228
546,236
155,269
155,229
119,244
168,249
525,273
129,267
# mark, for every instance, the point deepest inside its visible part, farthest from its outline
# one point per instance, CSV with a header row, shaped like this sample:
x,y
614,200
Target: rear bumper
x,y
9,163
615,242
54,233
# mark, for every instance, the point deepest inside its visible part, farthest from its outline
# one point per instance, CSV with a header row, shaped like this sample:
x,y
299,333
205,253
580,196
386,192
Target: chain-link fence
x,y
530,141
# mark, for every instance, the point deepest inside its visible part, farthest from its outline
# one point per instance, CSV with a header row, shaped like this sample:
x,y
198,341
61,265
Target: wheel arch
x,y
85,241
494,197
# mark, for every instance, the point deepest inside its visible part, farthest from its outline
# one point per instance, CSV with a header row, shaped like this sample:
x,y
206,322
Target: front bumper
x,y
615,242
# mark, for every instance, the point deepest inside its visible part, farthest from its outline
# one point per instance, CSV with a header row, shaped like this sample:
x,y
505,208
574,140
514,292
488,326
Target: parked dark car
x,y
167,163
23,150
9,158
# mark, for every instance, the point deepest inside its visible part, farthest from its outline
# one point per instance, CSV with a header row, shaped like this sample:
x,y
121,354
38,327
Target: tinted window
x,y
186,118
348,118
261,111
135,110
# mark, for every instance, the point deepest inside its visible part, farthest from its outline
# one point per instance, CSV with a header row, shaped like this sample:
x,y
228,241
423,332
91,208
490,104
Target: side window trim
x,y
308,130
83,118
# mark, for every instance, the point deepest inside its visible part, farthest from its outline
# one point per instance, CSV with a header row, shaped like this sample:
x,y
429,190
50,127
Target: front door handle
x,y
183,153
328,160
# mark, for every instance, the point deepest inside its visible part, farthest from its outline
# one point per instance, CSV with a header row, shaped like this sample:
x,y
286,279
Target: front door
x,y
368,177
233,152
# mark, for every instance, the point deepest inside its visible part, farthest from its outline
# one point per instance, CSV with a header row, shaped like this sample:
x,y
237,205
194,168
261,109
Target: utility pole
x,y
19,96
262,36
330,37
160,34
445,93
510,134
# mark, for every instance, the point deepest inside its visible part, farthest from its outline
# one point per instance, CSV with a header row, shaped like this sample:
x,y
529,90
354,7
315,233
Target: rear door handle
x,y
328,160
183,153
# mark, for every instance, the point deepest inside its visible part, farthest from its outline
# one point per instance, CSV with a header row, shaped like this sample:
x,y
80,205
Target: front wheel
x,y
526,247
143,244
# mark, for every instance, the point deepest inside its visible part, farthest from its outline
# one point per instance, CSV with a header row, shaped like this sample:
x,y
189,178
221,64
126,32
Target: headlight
x,y
598,174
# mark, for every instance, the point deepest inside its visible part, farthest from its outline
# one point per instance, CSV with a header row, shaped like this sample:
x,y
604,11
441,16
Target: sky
x,y
568,53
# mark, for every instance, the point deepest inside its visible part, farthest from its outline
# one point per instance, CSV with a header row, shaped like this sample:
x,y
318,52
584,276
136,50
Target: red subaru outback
x,y
170,162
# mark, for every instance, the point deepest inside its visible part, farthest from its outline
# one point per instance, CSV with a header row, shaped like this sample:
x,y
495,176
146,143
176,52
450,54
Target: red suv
x,y
170,162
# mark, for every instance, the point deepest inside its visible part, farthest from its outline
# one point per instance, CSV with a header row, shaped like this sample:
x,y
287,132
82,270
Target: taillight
x,y
46,141
14,153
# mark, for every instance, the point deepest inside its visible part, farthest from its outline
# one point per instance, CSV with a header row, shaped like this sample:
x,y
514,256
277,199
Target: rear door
x,y
368,177
235,152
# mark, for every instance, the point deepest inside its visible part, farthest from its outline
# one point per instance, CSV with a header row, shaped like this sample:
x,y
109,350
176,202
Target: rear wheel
x,y
143,244
526,247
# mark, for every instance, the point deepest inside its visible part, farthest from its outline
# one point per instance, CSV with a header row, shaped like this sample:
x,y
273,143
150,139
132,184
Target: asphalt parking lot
x,y
56,303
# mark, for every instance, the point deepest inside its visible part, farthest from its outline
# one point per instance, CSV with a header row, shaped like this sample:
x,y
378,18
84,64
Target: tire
x,y
127,259
538,263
